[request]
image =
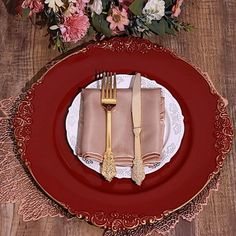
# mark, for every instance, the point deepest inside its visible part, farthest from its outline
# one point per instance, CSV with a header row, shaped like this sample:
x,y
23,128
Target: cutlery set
x,y
109,101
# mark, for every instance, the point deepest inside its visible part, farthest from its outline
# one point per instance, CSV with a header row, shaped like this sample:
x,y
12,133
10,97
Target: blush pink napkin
x,y
92,127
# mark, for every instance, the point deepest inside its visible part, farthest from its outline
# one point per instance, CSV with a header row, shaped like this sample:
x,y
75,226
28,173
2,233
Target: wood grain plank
x,y
211,46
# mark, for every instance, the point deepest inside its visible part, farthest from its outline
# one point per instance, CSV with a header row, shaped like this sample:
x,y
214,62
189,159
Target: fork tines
x,y
108,88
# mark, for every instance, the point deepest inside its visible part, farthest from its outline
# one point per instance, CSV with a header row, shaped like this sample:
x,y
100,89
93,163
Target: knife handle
x,y
138,173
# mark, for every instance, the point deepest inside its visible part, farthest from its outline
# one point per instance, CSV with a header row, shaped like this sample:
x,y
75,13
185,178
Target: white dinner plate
x,y
173,134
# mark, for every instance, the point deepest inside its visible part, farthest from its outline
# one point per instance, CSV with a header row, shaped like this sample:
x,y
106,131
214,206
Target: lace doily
x,y
16,184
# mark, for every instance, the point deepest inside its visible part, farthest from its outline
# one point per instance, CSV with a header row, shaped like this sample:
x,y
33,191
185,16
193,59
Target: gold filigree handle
x,y
108,166
138,173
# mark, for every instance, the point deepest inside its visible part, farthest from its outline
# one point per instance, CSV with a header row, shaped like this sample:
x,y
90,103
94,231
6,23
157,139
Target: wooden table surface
x,y
211,46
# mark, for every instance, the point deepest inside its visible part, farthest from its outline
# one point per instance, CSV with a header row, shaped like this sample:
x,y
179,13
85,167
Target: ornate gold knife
x,y
138,174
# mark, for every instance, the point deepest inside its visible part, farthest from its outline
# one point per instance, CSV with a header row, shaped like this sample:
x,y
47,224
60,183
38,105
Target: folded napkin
x,y
92,126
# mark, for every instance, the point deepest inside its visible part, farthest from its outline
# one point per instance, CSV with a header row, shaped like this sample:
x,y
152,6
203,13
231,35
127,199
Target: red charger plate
x,y
39,128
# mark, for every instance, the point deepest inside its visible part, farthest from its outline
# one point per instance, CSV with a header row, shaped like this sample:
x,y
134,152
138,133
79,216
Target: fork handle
x,y
108,164
108,131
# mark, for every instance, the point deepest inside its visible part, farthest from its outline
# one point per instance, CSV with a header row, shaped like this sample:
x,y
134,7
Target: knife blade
x,y
138,174
136,101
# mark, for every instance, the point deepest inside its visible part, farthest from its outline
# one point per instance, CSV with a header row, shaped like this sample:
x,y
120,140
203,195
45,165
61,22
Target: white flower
x,y
154,10
96,6
54,4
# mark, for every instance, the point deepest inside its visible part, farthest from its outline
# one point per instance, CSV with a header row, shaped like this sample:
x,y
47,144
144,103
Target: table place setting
x,y
119,136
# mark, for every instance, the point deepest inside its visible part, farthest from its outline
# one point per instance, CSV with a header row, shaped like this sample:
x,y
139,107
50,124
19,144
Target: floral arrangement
x,y
71,20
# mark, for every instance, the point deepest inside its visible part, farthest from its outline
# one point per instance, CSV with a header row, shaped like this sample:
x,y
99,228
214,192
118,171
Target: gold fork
x,y
108,100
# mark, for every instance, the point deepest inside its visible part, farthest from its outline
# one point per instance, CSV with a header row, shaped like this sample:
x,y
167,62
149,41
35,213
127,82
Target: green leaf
x,y
91,32
170,29
168,3
101,25
105,4
158,27
25,12
136,7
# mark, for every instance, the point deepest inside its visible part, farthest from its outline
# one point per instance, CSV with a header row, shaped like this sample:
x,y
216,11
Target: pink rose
x,y
35,6
74,27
